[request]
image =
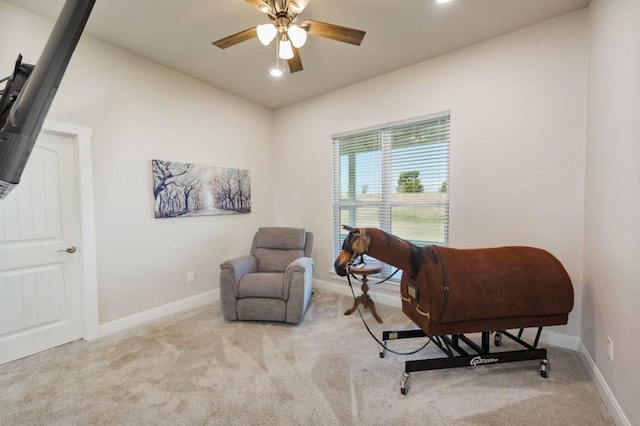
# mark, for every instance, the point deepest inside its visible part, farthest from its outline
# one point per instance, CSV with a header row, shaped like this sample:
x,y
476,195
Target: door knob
x,y
71,249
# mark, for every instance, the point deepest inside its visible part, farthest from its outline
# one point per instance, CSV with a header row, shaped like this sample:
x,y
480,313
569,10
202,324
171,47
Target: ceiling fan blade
x,y
333,32
295,63
236,38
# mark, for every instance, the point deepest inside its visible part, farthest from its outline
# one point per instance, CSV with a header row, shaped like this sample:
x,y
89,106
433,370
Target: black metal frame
x,y
470,356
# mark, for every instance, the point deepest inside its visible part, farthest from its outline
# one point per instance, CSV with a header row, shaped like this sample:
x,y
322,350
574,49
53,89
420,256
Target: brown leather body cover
x,y
489,289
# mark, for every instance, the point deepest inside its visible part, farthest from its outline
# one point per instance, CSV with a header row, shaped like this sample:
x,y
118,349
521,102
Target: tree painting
x,y
185,189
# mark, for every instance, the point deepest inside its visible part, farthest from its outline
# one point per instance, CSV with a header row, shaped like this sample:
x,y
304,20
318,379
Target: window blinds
x,y
395,178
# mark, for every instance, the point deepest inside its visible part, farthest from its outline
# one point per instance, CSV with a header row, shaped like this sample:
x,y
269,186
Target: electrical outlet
x,y
609,348
191,277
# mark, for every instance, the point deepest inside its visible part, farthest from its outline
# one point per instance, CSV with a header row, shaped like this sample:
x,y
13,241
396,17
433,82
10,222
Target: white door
x,y
40,280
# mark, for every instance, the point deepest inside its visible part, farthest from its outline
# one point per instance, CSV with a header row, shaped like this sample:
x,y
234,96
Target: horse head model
x,y
381,245
356,244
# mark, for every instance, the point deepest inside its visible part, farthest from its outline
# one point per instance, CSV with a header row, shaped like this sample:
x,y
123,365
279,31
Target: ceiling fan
x,y
290,35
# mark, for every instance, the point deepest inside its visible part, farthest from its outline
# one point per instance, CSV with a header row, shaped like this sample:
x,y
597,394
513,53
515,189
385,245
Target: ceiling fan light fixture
x,y
295,7
266,33
264,8
285,51
297,35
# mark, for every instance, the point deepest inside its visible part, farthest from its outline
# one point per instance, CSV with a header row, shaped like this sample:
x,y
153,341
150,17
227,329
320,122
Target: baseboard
x,y
176,307
609,399
332,287
561,340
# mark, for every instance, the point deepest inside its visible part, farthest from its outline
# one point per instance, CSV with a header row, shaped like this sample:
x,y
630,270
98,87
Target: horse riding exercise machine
x,y
450,293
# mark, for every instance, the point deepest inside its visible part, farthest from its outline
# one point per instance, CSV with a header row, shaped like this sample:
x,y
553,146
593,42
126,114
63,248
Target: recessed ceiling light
x,y
276,72
443,1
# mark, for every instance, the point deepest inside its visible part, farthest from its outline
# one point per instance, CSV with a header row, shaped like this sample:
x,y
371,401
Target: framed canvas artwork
x,y
187,189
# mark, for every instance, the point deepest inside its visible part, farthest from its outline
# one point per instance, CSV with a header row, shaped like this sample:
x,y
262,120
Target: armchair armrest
x,y
230,273
301,262
298,283
232,270
301,265
299,272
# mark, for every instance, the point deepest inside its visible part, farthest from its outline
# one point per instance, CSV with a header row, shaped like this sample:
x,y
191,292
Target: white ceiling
x,y
178,35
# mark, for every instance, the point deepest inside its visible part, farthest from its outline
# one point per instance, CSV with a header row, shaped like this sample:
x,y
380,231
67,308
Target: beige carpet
x,y
196,368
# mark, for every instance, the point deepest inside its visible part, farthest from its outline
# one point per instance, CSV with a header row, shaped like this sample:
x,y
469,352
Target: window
x,y
395,178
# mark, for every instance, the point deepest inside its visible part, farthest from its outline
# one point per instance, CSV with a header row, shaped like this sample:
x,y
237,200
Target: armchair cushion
x,y
280,238
263,284
273,260
276,248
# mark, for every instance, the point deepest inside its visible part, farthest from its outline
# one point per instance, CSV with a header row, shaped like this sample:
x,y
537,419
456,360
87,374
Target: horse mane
x,y
417,255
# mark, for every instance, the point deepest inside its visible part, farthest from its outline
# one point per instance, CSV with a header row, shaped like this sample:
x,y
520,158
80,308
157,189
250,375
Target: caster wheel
x,y
404,385
544,368
497,339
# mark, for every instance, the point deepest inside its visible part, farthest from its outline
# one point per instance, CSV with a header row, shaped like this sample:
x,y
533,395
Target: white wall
x,y
140,111
612,202
518,111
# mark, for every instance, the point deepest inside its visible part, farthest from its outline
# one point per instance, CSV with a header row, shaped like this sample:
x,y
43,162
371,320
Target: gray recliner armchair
x,y
273,282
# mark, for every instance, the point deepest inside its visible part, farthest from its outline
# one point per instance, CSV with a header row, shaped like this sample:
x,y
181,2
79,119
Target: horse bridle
x,y
382,344
358,258
354,258
363,241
